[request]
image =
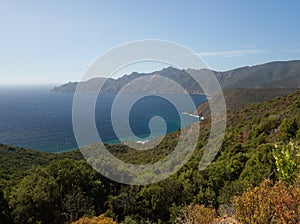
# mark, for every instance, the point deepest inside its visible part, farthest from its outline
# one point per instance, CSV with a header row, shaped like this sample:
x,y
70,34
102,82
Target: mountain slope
x,y
236,98
269,75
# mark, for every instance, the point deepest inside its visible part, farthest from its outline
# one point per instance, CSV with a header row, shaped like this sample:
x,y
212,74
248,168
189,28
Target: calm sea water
x,y
32,117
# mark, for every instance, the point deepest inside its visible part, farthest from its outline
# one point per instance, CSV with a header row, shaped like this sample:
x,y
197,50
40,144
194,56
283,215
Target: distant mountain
x,y
280,74
151,80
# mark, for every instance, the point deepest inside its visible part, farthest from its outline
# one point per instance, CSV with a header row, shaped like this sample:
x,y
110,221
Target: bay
x,y
32,117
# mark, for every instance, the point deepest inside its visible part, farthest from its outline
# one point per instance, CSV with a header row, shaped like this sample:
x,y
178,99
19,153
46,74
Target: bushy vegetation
x,y
196,214
287,158
260,150
269,203
96,220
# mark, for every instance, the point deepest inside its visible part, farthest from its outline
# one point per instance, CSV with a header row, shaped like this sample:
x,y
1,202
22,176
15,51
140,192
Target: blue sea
x,y
33,117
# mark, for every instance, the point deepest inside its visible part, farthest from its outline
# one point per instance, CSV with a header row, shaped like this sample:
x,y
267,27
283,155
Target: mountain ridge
x,y
276,74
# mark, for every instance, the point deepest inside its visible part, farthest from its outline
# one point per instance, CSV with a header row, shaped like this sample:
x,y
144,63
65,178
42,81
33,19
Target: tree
x,y
260,165
288,129
124,203
76,204
60,192
4,209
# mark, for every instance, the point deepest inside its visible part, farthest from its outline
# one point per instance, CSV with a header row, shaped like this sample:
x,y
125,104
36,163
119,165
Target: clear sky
x,y
55,41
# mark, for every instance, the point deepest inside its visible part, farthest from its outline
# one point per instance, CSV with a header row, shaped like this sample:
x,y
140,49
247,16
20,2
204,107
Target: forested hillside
x,y
261,148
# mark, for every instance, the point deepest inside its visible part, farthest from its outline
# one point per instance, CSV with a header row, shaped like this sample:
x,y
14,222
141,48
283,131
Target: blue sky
x,y
55,41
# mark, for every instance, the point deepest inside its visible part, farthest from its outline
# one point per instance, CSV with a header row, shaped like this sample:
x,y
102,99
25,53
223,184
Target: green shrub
x,y
287,161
